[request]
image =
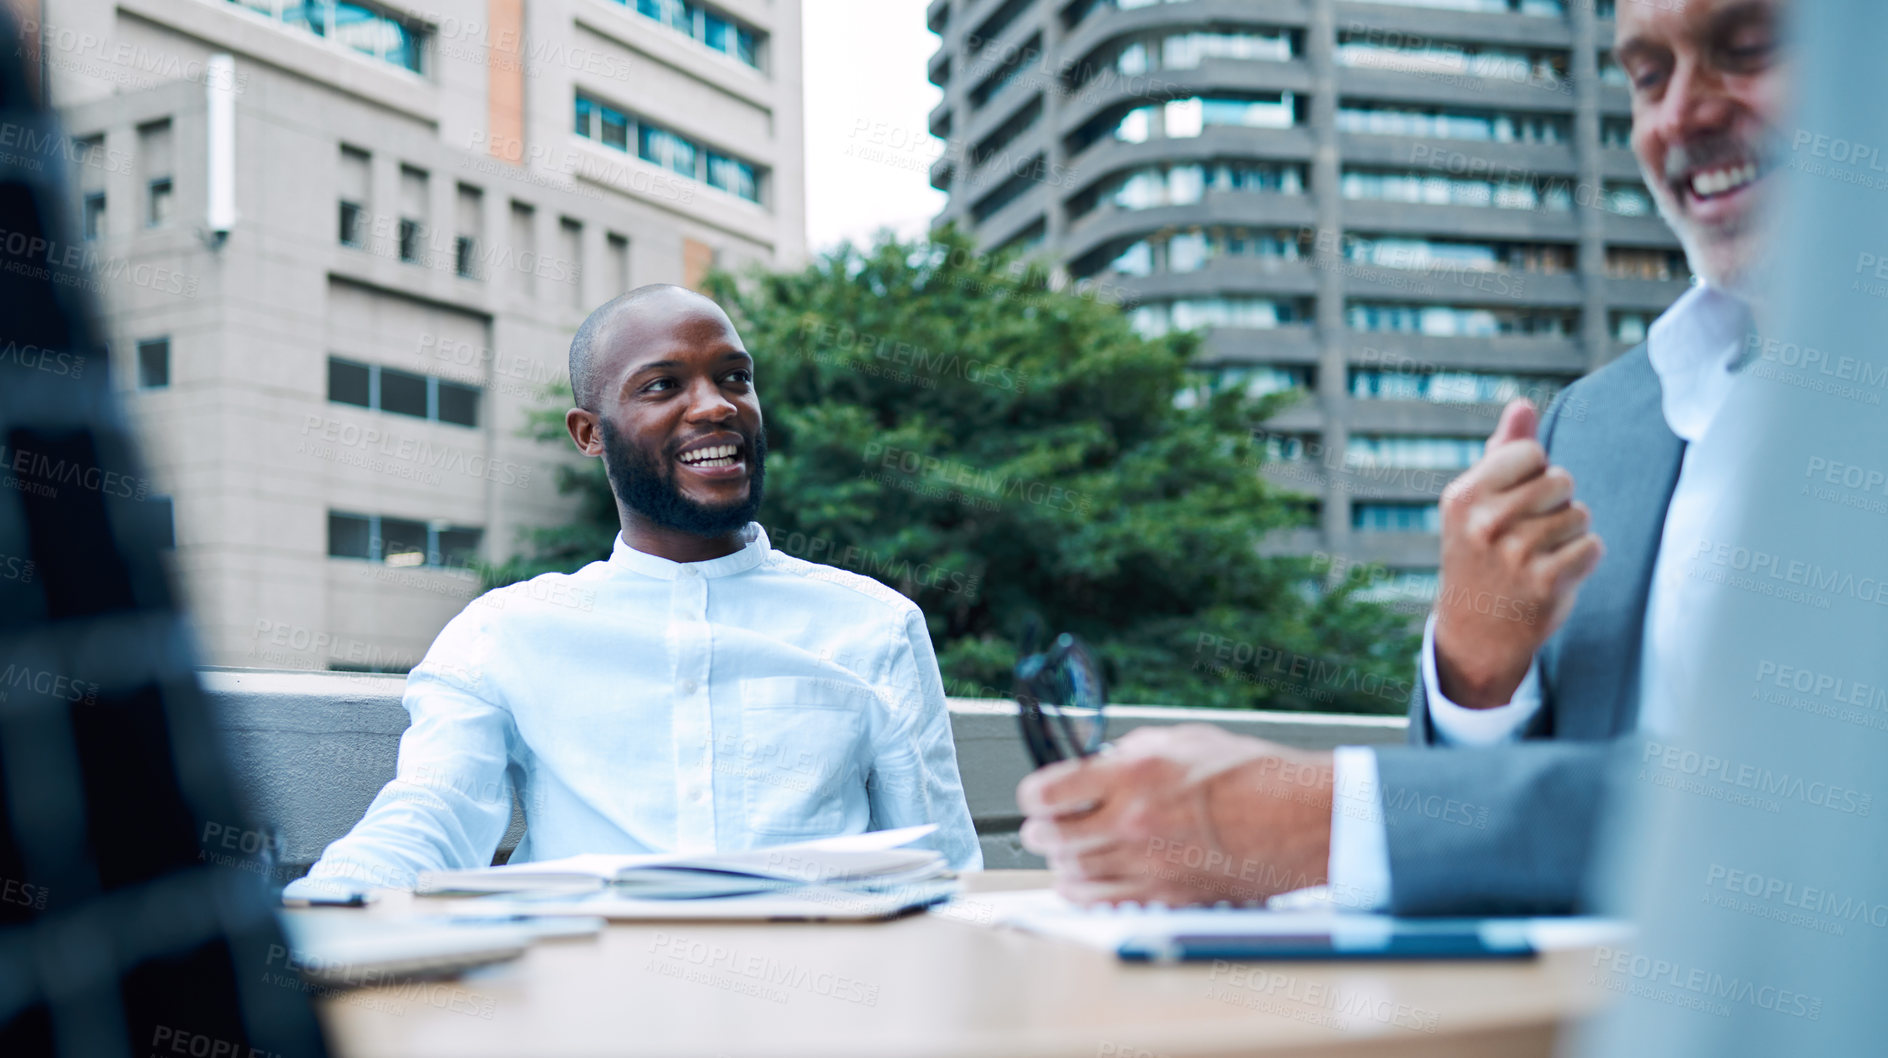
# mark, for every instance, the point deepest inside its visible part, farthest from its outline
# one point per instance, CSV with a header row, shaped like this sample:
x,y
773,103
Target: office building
x,y
342,248
1403,213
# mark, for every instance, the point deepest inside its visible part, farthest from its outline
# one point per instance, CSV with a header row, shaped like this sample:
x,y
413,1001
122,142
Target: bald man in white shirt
x,y
697,689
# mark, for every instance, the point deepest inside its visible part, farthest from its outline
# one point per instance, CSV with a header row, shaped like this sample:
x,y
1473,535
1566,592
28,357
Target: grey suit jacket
x,y
1513,828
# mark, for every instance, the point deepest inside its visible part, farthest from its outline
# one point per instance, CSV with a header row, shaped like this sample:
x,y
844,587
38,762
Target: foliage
x,y
1000,451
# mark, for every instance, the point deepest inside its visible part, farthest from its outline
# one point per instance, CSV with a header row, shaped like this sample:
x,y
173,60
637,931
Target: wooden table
x,y
946,985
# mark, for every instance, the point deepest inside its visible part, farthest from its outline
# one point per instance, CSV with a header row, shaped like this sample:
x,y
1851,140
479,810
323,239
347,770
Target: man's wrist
x,y
1471,686
1283,804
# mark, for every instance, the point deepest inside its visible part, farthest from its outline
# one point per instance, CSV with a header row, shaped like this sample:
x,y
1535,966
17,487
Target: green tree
x,y
997,450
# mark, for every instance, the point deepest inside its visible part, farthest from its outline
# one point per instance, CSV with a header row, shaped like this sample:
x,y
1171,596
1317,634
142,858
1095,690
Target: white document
x,y
1108,928
875,856
802,904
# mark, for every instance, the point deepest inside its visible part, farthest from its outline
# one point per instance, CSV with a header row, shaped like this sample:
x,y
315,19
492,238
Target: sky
x,y
868,149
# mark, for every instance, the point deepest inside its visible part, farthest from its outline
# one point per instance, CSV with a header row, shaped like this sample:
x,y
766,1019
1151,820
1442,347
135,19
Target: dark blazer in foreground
x,y
1513,828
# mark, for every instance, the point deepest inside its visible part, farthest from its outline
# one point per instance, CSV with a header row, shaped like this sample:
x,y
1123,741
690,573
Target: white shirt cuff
x,y
1359,871
1458,725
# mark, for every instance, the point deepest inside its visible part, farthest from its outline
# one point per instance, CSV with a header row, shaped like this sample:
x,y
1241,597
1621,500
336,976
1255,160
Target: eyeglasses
x,y
1061,699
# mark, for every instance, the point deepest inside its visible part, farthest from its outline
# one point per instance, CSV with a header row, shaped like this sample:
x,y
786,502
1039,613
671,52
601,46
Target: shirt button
x,y
688,686
699,796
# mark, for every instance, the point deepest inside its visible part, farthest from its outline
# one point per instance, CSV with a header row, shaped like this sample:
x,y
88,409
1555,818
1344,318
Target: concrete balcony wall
x,y
311,749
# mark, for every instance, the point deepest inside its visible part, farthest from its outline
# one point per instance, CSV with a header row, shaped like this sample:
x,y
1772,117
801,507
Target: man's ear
x,y
584,431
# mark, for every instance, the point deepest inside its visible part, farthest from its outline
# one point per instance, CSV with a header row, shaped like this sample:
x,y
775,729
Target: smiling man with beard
x,y
1555,635
697,689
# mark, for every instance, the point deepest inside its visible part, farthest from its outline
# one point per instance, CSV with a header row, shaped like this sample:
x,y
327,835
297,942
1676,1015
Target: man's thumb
x,y
1519,421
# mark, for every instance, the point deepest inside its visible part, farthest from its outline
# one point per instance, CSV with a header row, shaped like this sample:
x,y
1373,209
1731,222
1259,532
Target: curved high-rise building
x,y
1404,212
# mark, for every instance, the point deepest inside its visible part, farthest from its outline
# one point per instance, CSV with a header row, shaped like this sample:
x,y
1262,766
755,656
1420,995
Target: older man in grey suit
x,y
1521,704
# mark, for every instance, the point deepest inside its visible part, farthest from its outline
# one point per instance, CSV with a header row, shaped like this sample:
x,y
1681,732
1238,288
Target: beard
x,y
1730,255
645,483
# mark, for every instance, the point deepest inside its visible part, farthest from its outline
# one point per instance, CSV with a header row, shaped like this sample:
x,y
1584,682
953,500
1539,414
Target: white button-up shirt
x,y
1696,347
644,705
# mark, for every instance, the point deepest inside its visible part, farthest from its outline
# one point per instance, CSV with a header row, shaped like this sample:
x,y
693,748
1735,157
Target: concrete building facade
x,y
1401,213
428,197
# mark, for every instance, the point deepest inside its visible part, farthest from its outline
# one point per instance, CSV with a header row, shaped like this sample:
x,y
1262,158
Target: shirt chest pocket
x,y
802,756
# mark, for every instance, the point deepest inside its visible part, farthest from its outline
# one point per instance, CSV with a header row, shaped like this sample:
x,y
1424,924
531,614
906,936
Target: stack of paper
x,y
869,861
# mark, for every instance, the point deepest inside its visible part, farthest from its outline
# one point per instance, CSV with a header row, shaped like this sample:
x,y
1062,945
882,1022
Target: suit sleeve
x,y
1498,830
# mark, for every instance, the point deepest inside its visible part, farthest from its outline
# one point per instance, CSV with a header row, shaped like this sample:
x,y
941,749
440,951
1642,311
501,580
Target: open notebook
x,y
873,860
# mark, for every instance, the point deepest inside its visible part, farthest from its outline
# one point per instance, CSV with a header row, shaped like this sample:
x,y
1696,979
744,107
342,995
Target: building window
x,y
1611,72
1455,321
414,214
1631,262
471,219
355,177
351,25
1189,183
1414,453
1191,249
93,214
1253,380
1616,132
1160,317
156,167
714,29
1396,518
1434,189
1188,118
400,392
1458,255
656,145
1627,200
1450,387
1542,8
402,541
1378,119
1018,62
409,240
157,203
1630,328
1375,50
154,363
